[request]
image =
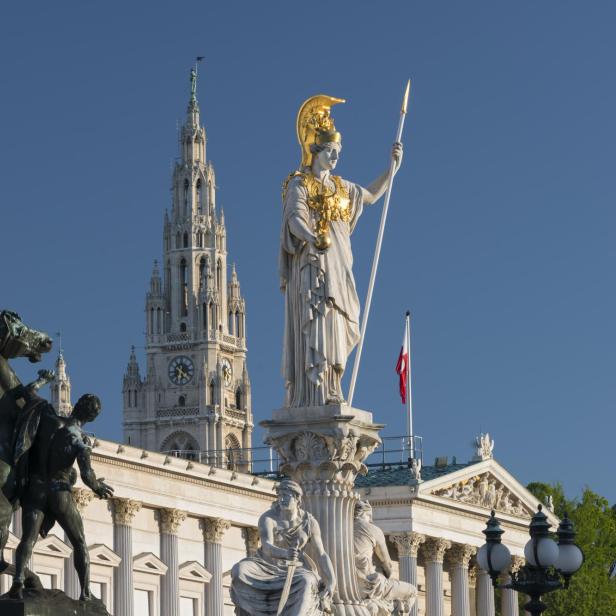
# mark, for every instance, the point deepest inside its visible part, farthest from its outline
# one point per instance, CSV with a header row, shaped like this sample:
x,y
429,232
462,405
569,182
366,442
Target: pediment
x,y
194,572
53,546
486,485
146,562
100,554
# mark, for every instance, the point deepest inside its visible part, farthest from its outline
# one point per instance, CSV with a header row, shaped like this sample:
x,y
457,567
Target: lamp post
x,y
549,565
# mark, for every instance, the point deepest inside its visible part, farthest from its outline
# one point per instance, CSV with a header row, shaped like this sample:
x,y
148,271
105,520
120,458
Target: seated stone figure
x,y
383,595
258,582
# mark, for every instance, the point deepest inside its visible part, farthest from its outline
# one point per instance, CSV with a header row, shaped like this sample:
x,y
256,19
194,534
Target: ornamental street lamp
x,y
549,565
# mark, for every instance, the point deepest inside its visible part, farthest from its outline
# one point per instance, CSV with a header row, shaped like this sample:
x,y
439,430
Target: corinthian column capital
x,y
408,543
435,548
124,510
214,529
517,562
461,554
170,520
82,498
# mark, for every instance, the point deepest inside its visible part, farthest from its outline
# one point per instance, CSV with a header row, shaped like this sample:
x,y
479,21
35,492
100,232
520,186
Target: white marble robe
x,y
321,303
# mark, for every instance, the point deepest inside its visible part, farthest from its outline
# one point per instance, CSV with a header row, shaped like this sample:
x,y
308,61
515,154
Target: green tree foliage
x,y
591,593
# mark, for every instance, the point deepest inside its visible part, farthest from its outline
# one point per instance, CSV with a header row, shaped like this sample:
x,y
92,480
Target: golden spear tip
x,y
406,96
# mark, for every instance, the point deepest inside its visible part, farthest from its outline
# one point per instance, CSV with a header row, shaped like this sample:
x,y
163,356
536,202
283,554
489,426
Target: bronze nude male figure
x,y
46,447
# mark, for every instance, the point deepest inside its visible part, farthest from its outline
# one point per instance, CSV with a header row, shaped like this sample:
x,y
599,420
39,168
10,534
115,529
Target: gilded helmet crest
x,y
315,124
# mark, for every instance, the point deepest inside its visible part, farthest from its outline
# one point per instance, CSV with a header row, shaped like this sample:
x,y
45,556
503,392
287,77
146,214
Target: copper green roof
x,y
400,475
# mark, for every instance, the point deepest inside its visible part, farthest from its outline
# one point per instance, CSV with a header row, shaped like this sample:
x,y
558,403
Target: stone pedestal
x,y
323,448
50,603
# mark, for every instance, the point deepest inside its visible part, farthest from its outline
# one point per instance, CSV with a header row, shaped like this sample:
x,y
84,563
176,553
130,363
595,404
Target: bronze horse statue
x,y
16,340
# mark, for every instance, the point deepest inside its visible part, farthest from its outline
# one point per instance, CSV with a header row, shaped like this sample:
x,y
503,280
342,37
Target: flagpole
x,y
377,253
409,397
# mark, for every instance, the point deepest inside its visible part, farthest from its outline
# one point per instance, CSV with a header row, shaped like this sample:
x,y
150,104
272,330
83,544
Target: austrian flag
x,y
402,367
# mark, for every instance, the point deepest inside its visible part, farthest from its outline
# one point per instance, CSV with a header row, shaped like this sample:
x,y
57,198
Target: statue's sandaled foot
x,y
16,591
85,595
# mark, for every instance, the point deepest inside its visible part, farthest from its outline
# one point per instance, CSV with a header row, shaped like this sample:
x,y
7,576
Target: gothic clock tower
x,y
195,396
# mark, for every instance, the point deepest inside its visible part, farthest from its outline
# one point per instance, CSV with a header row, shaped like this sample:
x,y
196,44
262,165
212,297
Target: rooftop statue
x,y
383,595
282,579
320,211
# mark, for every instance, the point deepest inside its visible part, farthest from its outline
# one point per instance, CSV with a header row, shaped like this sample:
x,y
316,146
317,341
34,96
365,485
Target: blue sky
x,y
501,231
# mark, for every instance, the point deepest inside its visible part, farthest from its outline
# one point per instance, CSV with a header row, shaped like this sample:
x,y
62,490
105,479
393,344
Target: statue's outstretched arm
x,y
88,476
377,188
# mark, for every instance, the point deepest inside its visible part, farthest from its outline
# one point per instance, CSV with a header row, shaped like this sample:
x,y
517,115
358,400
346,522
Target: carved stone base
x,y
50,603
323,448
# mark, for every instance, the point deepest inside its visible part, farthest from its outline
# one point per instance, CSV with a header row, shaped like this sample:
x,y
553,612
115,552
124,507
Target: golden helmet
x,y
315,124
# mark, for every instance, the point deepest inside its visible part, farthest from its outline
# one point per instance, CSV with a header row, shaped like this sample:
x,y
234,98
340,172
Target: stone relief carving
x,y
309,447
485,491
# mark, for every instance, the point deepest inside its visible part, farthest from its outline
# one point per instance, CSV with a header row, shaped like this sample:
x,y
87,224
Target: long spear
x,y
379,242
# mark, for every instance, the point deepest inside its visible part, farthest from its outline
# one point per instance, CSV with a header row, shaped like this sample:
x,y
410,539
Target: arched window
x,y
219,275
178,240
205,311
212,393
151,323
233,450
198,197
200,239
158,320
212,316
186,195
182,327
182,401
185,239
238,331
230,324
184,287
201,270
238,398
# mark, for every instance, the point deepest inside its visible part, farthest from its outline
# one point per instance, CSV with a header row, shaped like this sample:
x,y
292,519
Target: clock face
x,y
181,370
227,372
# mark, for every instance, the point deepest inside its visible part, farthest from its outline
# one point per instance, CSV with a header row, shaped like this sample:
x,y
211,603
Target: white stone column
x,y
124,511
170,520
82,498
458,560
252,539
509,597
472,585
485,594
213,532
434,554
408,545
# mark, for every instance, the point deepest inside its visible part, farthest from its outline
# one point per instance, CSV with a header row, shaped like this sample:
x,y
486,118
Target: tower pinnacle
x,y
61,388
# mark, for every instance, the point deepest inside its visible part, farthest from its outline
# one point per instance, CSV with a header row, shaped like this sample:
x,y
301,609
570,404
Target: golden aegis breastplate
x,y
329,205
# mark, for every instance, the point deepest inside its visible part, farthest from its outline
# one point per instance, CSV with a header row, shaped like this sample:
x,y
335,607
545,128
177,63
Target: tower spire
x,y
61,387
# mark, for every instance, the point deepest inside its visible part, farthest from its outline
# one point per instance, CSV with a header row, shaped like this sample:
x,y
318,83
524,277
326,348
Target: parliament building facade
x,y
185,509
